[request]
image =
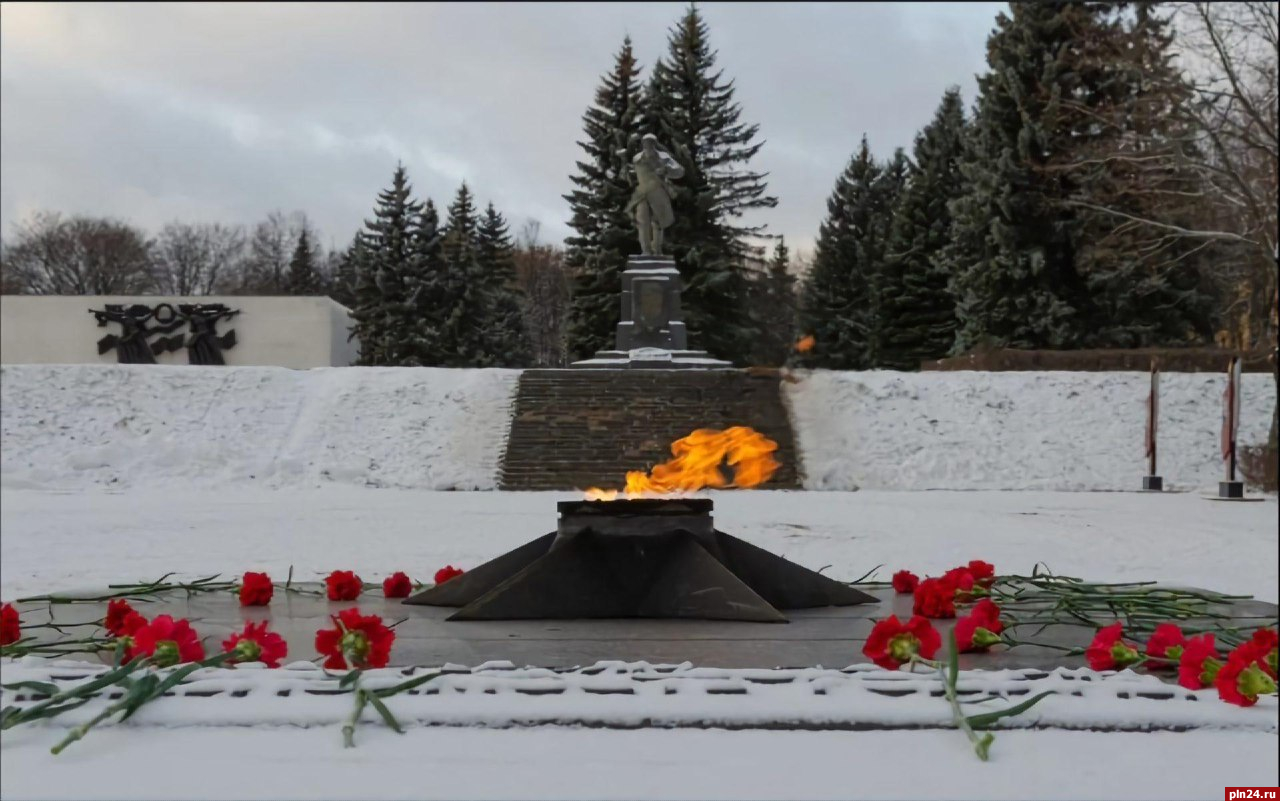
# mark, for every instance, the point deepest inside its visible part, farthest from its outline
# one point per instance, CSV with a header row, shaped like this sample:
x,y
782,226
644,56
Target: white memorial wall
x,y
283,331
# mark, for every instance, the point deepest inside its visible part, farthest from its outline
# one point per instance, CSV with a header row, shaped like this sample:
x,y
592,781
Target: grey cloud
x,y
225,112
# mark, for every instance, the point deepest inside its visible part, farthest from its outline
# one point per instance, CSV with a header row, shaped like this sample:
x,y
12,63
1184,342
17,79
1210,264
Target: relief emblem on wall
x,y
143,331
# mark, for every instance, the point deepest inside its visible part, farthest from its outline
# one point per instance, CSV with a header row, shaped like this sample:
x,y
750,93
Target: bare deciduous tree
x,y
265,267
193,259
544,279
50,255
1191,159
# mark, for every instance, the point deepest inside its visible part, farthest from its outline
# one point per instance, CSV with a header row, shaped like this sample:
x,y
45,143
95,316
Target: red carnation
x,y
397,585
256,589
10,630
118,611
1268,643
1200,662
356,640
1165,647
256,644
980,629
447,572
961,582
905,582
167,642
983,572
959,578
892,643
935,598
1242,679
1109,650
344,585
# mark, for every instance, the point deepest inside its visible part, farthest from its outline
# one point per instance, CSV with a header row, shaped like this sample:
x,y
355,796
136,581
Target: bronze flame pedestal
x,y
644,558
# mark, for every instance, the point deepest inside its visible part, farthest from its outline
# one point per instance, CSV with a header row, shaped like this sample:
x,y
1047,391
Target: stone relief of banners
x,y
139,323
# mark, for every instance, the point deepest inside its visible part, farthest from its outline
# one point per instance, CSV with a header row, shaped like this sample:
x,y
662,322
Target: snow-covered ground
x,y
578,763
1018,430
93,426
73,426
67,540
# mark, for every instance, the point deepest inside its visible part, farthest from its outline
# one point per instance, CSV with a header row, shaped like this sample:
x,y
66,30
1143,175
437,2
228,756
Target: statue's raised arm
x,y
651,200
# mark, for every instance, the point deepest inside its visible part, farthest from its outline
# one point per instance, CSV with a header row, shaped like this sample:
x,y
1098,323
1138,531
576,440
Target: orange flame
x,y
806,344
695,464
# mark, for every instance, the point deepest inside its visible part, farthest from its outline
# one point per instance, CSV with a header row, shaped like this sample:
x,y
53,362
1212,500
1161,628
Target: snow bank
x,y
76,426
72,426
1015,430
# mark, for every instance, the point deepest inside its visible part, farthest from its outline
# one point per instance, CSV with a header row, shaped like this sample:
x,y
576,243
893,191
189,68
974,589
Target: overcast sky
x,y
223,113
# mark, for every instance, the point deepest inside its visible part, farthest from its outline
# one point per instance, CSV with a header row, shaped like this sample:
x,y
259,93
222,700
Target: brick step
x,y
580,428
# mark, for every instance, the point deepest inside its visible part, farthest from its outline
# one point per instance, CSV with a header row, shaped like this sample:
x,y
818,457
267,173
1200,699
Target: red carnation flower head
x,y
983,572
1242,679
397,585
980,629
1268,643
118,611
973,635
935,598
256,589
343,585
988,612
1164,649
1199,663
356,640
10,628
1109,650
893,643
447,572
962,584
905,582
256,644
131,623
166,641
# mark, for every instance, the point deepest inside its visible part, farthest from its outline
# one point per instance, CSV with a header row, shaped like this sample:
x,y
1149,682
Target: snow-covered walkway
x,y
60,541
576,763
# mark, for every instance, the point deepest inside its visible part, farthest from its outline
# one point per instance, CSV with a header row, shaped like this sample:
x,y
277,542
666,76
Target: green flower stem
x,y
949,676
981,745
82,691
140,693
349,728
60,647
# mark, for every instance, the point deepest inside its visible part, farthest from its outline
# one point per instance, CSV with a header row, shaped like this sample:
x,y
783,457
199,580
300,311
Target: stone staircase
x,y
574,429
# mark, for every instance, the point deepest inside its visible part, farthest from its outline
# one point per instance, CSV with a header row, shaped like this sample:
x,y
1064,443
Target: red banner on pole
x,y
1229,415
1153,414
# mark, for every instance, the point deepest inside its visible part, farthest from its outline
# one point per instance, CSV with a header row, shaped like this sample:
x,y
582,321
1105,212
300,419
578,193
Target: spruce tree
x,y
604,233
479,314
917,308
503,341
836,302
385,315
873,242
689,107
1013,249
302,278
434,294
774,308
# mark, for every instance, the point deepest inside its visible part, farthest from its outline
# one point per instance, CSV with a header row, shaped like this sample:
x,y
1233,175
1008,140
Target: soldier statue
x,y
651,200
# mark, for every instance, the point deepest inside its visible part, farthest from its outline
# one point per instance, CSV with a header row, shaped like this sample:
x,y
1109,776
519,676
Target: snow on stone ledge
x,y
73,426
637,695
1013,430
